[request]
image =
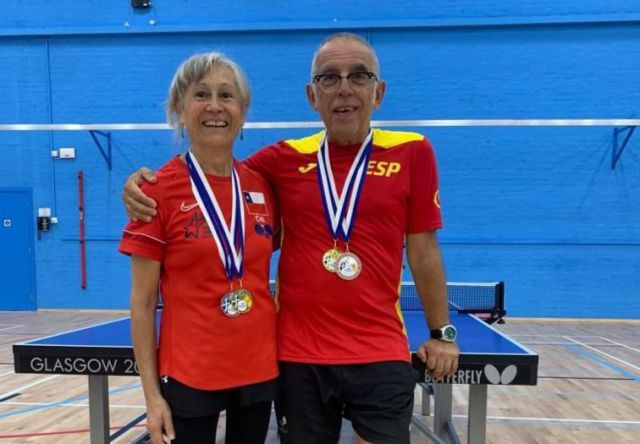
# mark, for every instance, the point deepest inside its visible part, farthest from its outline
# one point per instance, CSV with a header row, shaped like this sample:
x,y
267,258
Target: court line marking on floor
x,y
579,422
59,432
602,362
615,358
589,425
12,327
588,378
33,384
8,373
66,401
621,345
567,420
69,404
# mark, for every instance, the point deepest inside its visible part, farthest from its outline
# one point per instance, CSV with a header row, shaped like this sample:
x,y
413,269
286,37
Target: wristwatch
x,y
446,333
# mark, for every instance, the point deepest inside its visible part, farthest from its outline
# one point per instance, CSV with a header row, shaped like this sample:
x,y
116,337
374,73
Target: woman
x,y
208,254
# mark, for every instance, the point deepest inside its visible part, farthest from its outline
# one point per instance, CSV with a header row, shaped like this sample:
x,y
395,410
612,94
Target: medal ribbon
x,y
229,240
340,210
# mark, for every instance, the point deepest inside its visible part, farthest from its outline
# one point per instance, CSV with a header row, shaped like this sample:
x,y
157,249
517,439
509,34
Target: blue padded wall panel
x,y
90,16
555,281
537,207
537,72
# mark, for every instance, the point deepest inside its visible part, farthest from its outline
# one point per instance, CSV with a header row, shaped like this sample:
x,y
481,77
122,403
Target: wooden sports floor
x,y
588,389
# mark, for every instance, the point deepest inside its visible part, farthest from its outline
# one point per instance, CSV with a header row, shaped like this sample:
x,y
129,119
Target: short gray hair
x,y
192,71
346,36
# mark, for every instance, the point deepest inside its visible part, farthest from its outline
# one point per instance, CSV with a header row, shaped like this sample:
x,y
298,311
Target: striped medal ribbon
x,y
229,240
340,209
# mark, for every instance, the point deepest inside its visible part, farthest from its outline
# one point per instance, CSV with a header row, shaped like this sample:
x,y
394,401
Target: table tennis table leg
x,y
477,425
99,408
426,399
442,399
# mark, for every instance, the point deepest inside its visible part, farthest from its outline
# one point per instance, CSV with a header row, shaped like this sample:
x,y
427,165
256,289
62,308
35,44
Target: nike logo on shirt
x,y
184,207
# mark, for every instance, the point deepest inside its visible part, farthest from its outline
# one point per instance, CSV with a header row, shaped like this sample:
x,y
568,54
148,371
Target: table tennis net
x,y
481,298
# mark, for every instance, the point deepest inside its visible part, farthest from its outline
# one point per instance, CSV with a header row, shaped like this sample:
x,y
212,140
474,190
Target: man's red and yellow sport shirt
x,y
323,319
200,346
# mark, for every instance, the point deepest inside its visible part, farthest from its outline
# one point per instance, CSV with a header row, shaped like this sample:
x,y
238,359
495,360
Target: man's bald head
x,y
345,36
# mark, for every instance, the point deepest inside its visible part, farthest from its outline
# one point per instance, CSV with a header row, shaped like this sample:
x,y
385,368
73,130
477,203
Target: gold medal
x,y
348,266
244,301
330,260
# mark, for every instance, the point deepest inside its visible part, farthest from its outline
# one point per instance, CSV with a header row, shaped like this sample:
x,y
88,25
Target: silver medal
x,y
229,305
348,266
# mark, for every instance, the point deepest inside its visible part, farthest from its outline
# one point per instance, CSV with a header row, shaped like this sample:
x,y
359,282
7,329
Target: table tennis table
x,y
486,357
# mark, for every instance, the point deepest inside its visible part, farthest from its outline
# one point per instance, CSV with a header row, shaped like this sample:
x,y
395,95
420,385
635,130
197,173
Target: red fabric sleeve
x,y
147,239
265,162
424,198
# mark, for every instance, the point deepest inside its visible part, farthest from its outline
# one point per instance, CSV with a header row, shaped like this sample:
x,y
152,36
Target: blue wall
x,y
540,208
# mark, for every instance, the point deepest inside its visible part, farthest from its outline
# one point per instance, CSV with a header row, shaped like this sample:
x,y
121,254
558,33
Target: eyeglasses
x,y
358,79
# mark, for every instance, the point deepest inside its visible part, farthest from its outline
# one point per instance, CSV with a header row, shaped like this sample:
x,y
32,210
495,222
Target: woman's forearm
x,y
143,333
145,275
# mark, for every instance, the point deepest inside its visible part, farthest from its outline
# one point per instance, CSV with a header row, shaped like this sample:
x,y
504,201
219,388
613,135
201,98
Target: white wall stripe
x,y
318,124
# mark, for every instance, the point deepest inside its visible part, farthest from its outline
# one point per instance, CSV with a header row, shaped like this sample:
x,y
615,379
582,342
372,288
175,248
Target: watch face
x,y
449,333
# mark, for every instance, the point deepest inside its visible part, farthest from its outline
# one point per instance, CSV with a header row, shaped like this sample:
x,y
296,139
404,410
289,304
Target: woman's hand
x,y
159,423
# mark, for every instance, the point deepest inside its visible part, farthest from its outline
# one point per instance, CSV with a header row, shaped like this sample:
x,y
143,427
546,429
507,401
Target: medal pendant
x,y
330,260
348,266
244,301
236,303
229,305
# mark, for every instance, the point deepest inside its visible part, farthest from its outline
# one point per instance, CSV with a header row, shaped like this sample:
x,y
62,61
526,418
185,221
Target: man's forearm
x,y
428,274
432,289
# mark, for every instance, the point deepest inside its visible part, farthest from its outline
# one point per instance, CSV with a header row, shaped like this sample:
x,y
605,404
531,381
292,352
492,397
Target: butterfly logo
x,y
494,376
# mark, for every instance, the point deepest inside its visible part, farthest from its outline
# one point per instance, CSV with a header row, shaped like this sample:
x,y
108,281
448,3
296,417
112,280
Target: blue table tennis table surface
x,y
474,335
479,344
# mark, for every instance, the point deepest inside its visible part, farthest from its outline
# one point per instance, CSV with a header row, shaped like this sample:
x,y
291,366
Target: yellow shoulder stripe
x,y
389,139
382,138
307,145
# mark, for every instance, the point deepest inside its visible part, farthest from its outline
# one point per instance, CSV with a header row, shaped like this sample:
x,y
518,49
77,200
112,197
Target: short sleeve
x,y
424,194
147,239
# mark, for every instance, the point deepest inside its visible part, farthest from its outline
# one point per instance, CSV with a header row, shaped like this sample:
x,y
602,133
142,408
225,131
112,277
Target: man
x,y
348,203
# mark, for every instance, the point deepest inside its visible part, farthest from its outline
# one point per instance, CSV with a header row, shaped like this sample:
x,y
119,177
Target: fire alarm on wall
x,y
141,3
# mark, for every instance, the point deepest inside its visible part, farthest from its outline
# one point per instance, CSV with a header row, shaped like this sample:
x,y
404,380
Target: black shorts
x,y
188,402
377,398
195,412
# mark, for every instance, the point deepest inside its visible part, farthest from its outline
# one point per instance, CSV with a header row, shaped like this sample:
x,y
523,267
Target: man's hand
x,y
159,423
138,205
440,357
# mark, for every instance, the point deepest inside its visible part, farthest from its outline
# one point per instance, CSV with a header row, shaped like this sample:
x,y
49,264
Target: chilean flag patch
x,y
256,203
